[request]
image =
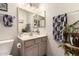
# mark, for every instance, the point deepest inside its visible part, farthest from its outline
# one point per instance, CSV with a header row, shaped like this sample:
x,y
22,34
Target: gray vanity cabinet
x,y
29,48
36,48
43,46
33,47
28,51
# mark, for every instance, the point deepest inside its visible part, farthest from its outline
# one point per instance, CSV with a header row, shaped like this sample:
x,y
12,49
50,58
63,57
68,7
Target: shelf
x,y
77,34
71,46
72,33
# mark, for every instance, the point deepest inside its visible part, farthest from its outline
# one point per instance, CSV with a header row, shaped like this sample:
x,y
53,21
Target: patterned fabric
x,y
59,24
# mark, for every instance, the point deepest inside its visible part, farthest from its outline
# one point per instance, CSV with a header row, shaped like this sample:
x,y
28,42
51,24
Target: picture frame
x,y
3,6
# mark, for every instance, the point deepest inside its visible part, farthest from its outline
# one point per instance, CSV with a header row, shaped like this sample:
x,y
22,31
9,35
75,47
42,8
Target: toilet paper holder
x,y
18,45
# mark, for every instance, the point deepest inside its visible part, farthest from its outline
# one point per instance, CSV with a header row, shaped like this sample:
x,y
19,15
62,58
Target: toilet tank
x,y
5,47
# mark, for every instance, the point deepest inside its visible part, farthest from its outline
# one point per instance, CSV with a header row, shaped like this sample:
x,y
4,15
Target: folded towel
x,y
7,19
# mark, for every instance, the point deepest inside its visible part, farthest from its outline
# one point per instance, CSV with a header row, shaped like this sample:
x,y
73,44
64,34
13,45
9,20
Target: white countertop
x,y
28,37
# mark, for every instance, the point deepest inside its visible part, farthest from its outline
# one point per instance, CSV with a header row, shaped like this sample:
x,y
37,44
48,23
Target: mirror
x,y
25,21
39,21
28,21
42,21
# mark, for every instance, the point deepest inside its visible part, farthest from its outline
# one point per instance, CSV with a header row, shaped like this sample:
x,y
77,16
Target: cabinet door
x,y
42,49
36,50
29,43
29,51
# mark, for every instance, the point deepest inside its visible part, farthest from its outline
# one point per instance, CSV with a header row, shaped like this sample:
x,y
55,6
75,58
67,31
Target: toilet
x,y
5,47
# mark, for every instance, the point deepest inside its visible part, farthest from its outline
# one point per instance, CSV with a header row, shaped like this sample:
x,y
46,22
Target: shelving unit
x,y
71,46
71,34
76,34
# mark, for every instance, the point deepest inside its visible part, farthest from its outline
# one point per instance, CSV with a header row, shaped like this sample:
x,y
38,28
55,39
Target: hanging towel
x,y
59,23
7,20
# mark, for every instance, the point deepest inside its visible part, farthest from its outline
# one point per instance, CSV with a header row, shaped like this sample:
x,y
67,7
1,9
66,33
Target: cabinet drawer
x,y
29,43
44,39
37,40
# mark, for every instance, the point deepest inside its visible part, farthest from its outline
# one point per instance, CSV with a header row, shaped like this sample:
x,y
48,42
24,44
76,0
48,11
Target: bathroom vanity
x,y
31,20
33,45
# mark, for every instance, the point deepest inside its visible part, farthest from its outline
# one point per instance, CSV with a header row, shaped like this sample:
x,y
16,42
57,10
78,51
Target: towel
x,y
59,23
7,20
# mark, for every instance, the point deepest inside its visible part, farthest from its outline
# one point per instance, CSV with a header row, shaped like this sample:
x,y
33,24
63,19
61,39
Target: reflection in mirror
x,y
27,28
25,20
39,21
42,21
29,22
35,23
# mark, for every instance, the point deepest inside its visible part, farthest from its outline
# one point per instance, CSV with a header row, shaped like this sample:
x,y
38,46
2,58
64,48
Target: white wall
x,y
53,10
52,45
68,8
9,32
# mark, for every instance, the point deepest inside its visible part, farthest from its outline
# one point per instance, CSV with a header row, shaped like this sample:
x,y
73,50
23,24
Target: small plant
x,y
71,29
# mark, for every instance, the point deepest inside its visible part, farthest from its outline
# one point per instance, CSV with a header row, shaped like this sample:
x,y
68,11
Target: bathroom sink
x,y
28,37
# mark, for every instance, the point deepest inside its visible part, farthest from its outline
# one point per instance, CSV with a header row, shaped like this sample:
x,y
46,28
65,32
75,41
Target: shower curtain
x,y
59,24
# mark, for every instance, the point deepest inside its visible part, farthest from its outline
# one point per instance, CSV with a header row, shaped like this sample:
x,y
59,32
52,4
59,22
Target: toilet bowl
x,y
5,47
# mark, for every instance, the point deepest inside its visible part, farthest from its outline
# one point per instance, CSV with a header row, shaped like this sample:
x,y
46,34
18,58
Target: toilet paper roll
x,y
19,45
